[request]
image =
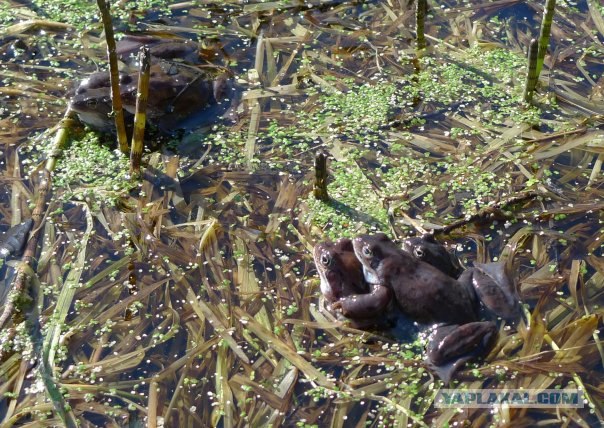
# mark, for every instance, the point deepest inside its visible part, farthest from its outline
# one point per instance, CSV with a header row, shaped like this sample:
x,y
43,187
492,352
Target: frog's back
x,y
429,296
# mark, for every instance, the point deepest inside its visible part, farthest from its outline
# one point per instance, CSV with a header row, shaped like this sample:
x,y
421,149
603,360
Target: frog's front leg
x,y
494,289
368,305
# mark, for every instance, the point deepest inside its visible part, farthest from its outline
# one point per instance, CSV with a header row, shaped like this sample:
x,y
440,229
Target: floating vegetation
x,y
194,300
90,171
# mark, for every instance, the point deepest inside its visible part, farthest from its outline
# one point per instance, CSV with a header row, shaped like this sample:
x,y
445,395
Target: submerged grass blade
x,y
284,349
57,323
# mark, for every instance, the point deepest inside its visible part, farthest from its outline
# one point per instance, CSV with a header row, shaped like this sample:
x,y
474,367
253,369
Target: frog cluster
x,y
364,278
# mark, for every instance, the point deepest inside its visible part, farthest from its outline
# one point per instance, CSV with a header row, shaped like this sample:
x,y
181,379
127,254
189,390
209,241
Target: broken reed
x,y
140,115
114,76
320,188
420,18
531,77
546,26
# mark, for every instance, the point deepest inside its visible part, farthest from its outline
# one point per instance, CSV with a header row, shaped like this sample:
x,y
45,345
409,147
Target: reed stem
x,y
114,75
140,115
531,77
546,27
420,18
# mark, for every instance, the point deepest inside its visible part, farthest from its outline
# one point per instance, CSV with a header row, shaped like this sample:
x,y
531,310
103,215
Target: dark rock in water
x,y
13,241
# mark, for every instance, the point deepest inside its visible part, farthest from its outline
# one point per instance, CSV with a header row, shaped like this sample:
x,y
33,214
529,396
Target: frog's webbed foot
x,y
446,371
450,346
367,305
494,289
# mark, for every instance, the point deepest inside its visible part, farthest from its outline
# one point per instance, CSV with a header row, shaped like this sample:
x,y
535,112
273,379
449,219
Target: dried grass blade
x,y
259,59
247,282
283,349
222,330
409,413
283,71
271,65
582,329
595,171
223,390
285,392
272,91
596,16
250,143
31,24
571,143
17,385
152,405
209,235
113,267
573,281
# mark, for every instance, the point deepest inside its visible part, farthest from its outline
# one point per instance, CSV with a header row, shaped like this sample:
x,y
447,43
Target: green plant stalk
x,y
546,26
420,19
140,115
531,76
116,100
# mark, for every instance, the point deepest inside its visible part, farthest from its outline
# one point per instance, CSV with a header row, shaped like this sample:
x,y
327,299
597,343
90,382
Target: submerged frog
x,y
425,294
180,95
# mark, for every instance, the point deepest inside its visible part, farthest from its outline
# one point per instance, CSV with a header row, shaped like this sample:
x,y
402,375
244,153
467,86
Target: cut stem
x,y
140,115
531,77
320,189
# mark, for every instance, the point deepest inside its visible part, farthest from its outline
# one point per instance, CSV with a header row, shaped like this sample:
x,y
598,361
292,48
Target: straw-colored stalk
x,y
114,75
320,188
546,26
531,77
420,15
140,116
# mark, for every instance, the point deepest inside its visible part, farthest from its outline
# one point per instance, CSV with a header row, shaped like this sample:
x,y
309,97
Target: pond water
x,y
191,298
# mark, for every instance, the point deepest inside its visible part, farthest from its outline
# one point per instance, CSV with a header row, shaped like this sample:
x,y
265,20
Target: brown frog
x,y
490,281
180,95
341,275
340,271
428,250
426,295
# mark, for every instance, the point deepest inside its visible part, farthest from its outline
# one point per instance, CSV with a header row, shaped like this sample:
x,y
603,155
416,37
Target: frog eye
x,y
325,259
367,252
418,252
